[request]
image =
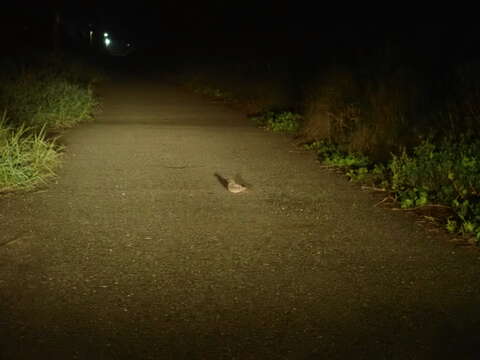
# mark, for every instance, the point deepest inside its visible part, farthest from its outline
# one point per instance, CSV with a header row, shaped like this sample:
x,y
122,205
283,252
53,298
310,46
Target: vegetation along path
x,y
138,251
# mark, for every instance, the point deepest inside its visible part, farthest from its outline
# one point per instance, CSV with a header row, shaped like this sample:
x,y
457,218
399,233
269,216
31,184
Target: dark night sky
x,y
286,25
282,27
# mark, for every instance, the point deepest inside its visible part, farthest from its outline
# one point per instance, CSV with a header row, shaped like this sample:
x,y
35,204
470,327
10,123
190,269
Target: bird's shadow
x,y
222,180
237,178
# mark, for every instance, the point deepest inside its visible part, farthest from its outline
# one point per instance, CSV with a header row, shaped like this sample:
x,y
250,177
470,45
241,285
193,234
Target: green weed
x,y
283,121
331,154
446,173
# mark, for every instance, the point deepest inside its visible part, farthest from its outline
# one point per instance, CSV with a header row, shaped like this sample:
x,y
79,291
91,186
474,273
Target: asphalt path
x,y
137,250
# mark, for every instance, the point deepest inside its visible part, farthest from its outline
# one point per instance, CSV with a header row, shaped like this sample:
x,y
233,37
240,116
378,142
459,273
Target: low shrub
x,y
445,173
279,121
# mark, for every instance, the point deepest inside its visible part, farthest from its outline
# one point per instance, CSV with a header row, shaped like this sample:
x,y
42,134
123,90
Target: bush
x,y
40,93
281,121
43,99
74,69
446,173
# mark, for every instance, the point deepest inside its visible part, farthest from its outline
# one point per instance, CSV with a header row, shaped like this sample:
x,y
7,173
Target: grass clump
x,y
26,158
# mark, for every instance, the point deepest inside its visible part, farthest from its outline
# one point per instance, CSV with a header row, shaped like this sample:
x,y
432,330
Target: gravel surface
x,y
137,250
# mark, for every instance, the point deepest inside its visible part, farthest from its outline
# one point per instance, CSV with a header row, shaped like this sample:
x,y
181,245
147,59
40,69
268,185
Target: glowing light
x,y
105,35
107,42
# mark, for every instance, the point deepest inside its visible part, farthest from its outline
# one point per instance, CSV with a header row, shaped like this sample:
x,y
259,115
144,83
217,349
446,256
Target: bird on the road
x,y
230,184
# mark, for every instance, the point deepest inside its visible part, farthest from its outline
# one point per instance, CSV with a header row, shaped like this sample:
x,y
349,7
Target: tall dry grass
x,y
383,105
